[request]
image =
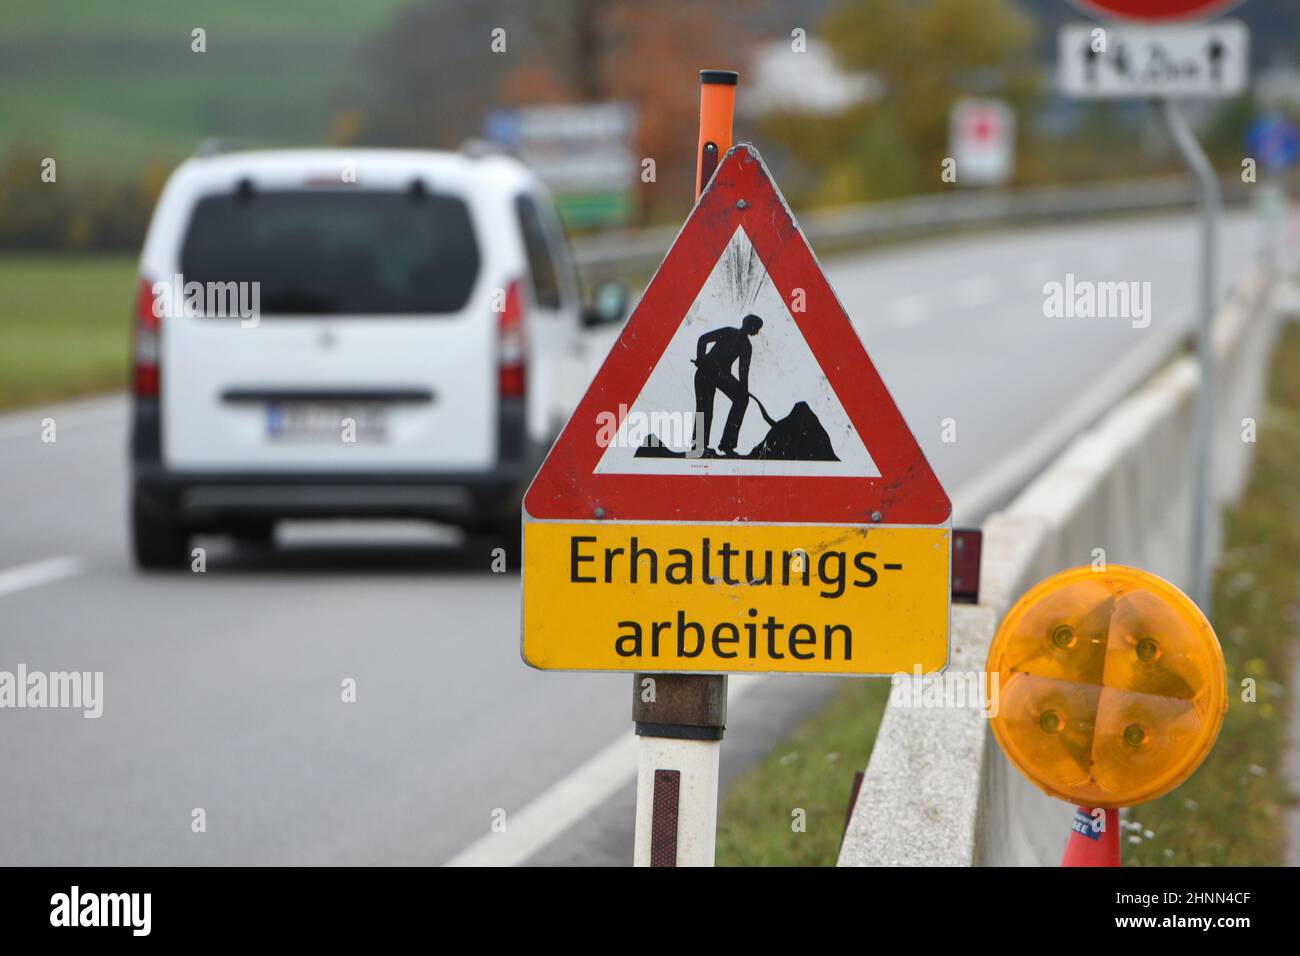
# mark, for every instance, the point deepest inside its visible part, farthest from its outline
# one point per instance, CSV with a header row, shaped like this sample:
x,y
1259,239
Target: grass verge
x,y
65,326
1232,812
811,770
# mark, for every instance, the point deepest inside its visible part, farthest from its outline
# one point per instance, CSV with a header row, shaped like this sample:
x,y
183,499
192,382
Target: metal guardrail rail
x,y
612,253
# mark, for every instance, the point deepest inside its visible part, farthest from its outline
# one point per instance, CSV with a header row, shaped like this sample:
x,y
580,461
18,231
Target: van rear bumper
x,y
206,500
209,500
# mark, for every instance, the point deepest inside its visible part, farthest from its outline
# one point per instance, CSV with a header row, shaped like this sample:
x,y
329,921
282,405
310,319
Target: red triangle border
x,y
907,491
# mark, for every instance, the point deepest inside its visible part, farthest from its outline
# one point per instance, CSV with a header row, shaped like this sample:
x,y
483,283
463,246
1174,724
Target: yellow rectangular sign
x,y
736,598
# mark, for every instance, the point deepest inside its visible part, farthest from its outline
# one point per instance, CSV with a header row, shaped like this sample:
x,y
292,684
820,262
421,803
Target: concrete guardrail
x,y
937,790
610,254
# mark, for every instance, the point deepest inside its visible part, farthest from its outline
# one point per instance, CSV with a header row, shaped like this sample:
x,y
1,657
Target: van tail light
x,y
146,344
512,349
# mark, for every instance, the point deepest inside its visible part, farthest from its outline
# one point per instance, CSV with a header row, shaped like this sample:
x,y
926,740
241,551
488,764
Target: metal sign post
x,y
736,492
1209,200
680,718
1166,59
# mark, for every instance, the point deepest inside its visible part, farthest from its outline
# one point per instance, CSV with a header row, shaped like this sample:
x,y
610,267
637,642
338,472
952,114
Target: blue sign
x,y
1274,141
1086,825
504,127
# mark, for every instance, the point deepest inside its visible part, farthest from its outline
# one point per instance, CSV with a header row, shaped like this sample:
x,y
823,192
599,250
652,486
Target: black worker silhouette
x,y
797,437
715,354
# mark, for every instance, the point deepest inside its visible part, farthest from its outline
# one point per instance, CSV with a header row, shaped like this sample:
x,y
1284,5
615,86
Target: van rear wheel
x,y
159,541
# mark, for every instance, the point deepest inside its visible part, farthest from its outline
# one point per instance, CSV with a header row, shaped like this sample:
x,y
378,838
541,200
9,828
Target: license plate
x,y
326,422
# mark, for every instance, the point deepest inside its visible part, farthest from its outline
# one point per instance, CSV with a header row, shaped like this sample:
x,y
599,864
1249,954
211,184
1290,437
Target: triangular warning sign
x,y
738,390
779,372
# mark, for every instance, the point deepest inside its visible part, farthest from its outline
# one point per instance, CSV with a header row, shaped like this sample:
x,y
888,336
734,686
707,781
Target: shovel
x,y
763,411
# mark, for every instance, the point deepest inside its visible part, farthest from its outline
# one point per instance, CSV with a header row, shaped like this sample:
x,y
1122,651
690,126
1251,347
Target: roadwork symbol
x,y
737,490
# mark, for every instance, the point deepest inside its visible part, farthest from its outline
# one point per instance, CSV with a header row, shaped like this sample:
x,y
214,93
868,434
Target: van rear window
x,y
319,252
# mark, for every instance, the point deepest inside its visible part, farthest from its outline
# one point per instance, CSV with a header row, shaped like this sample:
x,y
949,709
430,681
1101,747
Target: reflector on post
x,y
1112,686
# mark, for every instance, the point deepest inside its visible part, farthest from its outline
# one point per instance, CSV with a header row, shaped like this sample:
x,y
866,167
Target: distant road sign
x,y
982,138
1274,141
1156,10
1202,60
583,152
737,491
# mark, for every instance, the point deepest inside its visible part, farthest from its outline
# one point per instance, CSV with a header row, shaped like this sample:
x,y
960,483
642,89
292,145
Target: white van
x,y
347,333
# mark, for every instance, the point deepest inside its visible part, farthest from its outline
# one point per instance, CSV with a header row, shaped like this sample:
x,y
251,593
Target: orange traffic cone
x,y
1094,838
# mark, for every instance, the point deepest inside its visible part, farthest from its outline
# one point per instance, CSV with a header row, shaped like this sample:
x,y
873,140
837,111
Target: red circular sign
x,y
1157,9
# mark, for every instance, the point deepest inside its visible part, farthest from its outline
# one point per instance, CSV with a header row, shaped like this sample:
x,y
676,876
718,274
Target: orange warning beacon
x,y
1112,687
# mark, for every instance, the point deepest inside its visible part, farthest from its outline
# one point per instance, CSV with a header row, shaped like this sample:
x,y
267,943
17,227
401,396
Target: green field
x,y
158,18
65,326
109,87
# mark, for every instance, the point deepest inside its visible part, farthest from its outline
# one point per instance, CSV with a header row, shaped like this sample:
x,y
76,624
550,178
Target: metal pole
x,y
1207,185
1271,208
681,718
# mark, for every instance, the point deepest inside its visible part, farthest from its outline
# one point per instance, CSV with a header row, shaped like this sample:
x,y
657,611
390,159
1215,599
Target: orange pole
x,y
679,761
717,107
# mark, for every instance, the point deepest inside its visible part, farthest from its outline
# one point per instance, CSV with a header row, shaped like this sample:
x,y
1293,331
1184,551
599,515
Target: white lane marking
x,y
39,572
976,290
908,310
568,801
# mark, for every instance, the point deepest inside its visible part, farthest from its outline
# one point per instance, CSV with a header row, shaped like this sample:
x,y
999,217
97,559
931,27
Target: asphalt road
x,y
222,690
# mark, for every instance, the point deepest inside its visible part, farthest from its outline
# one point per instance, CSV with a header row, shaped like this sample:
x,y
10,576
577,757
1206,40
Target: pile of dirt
x,y
797,437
